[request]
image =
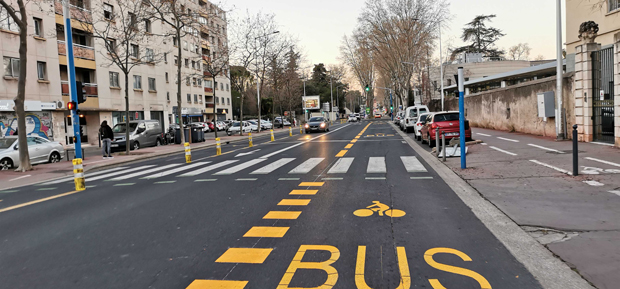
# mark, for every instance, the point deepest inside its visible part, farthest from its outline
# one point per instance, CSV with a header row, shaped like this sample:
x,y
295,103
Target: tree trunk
x,y
242,91
214,111
127,140
24,156
179,109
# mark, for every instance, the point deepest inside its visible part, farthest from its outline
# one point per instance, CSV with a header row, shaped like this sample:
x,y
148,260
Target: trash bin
x,y
196,135
177,135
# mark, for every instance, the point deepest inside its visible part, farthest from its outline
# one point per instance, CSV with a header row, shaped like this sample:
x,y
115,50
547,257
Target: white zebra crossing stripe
x,y
129,176
117,173
86,176
413,165
239,167
207,169
341,166
272,166
306,166
376,165
183,168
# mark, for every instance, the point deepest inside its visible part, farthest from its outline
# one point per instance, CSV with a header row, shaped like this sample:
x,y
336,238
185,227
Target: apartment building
x,y
152,85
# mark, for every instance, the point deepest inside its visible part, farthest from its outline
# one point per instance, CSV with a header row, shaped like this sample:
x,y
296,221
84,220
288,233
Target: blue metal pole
x,y
462,118
72,85
391,107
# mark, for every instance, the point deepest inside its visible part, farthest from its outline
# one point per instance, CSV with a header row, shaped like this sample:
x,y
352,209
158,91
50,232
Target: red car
x,y
211,126
447,122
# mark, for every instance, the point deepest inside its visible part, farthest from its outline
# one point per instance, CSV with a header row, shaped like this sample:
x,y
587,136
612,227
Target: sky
x,y
321,24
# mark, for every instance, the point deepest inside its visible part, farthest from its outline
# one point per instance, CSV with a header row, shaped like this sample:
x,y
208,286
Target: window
x,y
168,96
150,57
135,51
38,27
216,85
108,11
227,87
613,5
133,20
187,80
196,98
166,57
449,81
41,73
193,64
189,98
111,43
175,41
6,22
194,81
217,100
147,26
152,86
186,62
200,98
199,81
176,60
197,49
228,101
221,86
11,66
137,82
208,83
114,79
185,45
166,77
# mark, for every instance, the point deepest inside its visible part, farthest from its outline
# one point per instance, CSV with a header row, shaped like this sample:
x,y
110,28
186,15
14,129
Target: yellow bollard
x,y
218,146
272,138
300,132
250,139
290,131
78,175
188,153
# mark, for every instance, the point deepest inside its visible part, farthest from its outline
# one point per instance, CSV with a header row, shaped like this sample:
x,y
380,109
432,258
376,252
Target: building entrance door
x,y
603,95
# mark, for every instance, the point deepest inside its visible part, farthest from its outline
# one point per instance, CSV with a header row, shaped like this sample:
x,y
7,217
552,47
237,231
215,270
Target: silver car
x,y
40,149
142,133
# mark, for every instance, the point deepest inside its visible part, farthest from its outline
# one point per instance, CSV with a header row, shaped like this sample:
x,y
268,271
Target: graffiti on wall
x,y
37,123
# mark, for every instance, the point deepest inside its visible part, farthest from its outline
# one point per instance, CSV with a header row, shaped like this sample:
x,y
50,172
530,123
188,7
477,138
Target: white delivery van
x,y
411,117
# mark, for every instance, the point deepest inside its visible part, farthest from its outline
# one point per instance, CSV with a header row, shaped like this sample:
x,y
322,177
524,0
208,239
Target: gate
x,y
603,95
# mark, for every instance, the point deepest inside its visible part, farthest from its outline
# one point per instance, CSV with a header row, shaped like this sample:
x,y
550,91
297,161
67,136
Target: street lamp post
x,y
258,79
441,65
559,73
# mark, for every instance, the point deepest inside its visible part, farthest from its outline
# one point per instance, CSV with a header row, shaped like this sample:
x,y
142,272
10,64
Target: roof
x,y
547,67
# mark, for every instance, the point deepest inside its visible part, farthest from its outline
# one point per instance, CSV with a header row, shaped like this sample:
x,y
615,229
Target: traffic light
x,y
367,87
81,92
391,108
71,105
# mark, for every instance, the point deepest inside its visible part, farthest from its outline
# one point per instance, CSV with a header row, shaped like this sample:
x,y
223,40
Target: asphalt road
x,y
285,214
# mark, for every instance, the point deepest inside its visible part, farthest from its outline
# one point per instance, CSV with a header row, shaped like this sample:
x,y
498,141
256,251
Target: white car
x,y
220,125
236,127
253,125
40,150
265,124
410,118
353,118
419,124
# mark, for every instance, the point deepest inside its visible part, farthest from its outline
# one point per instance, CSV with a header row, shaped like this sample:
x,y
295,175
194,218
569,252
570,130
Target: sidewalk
x,y
529,179
93,160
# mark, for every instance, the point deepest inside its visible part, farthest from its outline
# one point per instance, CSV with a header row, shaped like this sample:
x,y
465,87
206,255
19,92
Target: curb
x,y
549,271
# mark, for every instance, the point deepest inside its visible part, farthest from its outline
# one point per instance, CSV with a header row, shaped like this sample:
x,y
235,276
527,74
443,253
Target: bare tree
x,y
539,57
19,17
122,33
520,51
357,54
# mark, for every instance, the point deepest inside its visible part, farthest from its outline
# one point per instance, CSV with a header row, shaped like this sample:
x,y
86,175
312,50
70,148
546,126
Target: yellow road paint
x,y
217,284
37,201
285,215
294,202
403,266
381,209
266,232
354,141
357,136
304,192
332,273
311,184
244,255
428,257
341,153
348,146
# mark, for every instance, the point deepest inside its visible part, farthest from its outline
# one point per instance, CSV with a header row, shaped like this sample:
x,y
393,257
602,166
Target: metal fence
x,y
603,95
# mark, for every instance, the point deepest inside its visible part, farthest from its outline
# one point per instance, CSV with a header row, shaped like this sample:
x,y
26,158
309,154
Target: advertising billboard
x,y
311,102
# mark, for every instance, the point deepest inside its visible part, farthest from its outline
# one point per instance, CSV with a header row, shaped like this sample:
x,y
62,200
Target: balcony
x,y
79,51
208,89
90,88
77,13
206,58
209,105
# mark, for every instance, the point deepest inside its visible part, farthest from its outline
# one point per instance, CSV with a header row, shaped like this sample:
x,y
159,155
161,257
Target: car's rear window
x,y
446,117
5,143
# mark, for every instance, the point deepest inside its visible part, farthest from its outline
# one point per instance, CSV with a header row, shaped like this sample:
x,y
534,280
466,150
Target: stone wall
x,y
515,108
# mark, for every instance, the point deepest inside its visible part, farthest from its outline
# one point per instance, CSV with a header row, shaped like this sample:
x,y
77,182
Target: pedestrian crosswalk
x,y
258,166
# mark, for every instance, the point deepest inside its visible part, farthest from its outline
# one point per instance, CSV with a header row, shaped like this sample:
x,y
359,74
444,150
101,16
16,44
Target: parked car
x,y
418,125
317,123
210,125
253,125
265,124
447,122
200,125
398,117
411,117
236,127
277,122
220,125
353,118
142,133
40,150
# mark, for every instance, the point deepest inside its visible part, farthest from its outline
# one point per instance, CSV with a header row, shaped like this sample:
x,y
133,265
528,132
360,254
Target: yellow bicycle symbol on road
x,y
381,209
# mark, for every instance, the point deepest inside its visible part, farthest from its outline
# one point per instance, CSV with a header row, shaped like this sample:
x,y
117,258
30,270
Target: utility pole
x,y
559,74
331,91
441,65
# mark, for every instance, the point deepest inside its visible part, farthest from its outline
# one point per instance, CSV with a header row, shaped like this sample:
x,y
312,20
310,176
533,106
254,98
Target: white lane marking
x,y
183,168
272,166
246,180
483,134
412,164
209,168
87,175
602,161
19,178
129,176
116,173
205,180
484,144
551,167
240,167
544,148
341,166
288,179
501,150
306,166
375,178
376,165
420,178
602,143
296,145
615,193
332,179
594,183
503,138
245,154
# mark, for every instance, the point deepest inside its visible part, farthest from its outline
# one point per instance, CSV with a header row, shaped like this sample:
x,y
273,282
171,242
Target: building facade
x,y
152,85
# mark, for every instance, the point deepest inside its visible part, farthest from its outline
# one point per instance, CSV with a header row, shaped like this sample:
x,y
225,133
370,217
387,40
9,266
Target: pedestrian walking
x,y
106,139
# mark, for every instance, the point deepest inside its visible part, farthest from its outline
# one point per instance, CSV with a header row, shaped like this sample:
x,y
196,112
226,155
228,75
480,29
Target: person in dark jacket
x,y
106,139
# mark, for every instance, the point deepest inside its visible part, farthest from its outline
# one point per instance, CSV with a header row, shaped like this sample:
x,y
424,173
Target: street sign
x,y
368,110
